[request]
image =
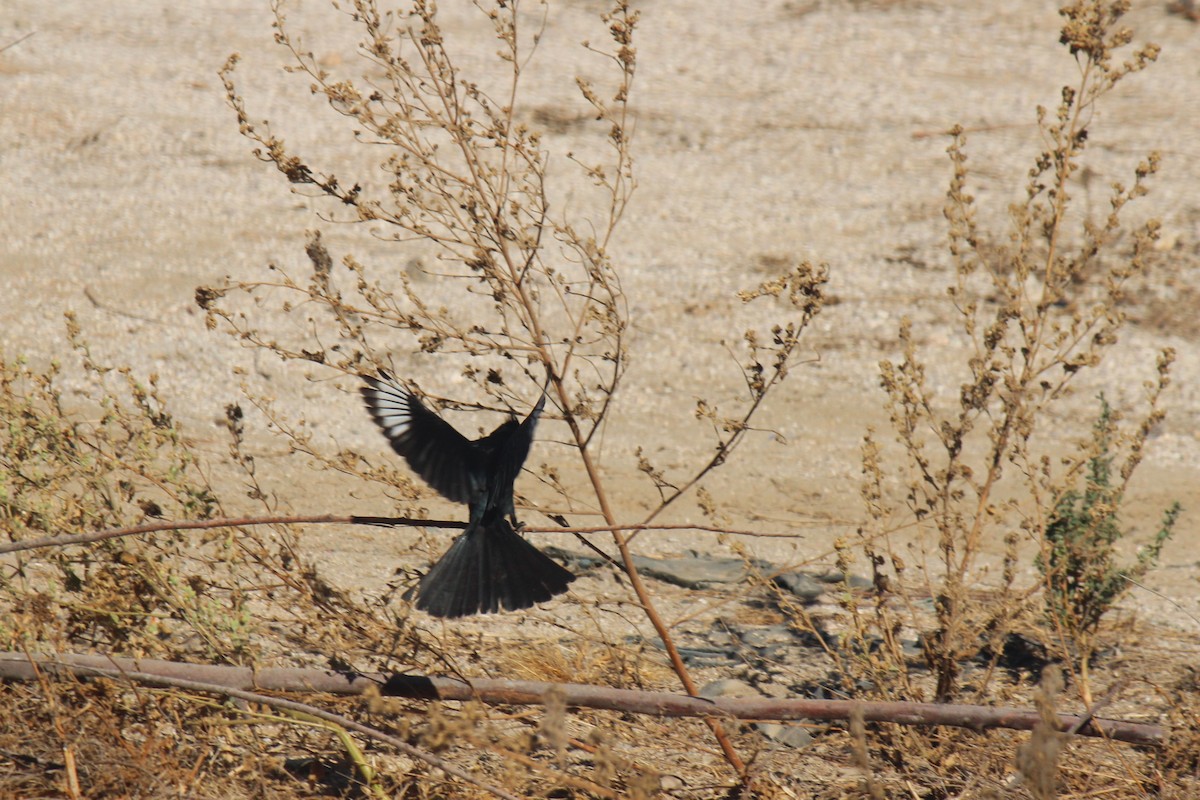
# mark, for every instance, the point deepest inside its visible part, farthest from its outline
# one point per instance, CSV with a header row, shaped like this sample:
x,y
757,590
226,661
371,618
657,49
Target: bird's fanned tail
x,y
487,569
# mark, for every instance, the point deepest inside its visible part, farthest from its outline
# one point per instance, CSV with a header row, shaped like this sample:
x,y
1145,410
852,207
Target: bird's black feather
x,y
490,567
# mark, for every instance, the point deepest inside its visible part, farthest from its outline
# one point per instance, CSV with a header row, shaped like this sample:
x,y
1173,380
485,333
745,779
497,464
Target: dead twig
x,y
16,42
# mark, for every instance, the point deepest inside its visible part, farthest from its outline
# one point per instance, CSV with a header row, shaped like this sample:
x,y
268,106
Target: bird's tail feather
x,y
487,569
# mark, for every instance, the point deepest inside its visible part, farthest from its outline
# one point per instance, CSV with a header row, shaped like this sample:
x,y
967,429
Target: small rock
x,y
695,656
804,586
834,576
774,691
698,657
719,637
692,572
766,635
670,783
776,654
728,687
786,735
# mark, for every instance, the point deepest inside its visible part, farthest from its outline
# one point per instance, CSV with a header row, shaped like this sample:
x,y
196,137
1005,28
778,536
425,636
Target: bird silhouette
x,y
489,567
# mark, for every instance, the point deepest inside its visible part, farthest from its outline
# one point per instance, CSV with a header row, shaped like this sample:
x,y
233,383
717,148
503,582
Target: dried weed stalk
x,y
1035,312
507,290
1037,759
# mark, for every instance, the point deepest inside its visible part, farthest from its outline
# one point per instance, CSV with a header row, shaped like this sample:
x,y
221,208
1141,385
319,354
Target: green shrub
x,y
1078,561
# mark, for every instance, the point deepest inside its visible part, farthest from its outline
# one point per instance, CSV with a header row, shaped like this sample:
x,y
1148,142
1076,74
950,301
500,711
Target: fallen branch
x,y
17,666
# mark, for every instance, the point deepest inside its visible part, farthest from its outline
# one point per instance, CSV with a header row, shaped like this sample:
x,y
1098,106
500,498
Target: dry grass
x,y
463,179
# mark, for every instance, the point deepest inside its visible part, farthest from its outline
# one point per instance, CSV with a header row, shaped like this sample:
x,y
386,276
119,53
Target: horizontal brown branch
x,y
208,524
325,519
18,666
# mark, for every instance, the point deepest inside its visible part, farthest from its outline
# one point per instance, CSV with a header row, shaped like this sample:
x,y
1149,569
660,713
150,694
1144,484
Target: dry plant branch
x,y
68,750
497,691
465,177
17,41
369,777
1034,314
335,519
803,287
209,524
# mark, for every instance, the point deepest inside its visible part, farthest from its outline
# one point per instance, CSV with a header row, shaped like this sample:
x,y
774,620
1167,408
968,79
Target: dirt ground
x,y
766,133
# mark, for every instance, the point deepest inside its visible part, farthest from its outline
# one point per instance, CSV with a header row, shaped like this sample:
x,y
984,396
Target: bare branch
x,y
241,681
336,519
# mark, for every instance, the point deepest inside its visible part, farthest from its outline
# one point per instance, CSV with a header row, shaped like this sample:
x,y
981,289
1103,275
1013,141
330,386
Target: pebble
x,y
785,734
728,687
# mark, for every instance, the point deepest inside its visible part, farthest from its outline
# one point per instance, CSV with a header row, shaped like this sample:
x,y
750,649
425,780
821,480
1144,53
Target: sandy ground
x,y
782,131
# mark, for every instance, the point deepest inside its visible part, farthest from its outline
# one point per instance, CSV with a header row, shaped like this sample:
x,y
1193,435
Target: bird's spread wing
x,y
442,456
516,444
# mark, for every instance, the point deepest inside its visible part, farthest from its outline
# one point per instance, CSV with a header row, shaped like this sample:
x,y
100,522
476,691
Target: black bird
x,y
489,567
